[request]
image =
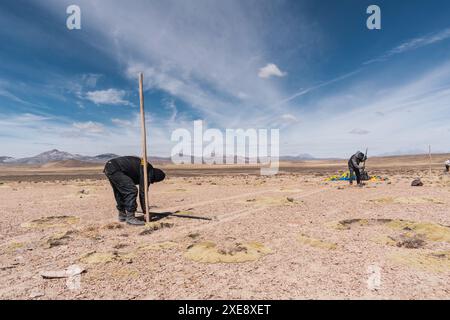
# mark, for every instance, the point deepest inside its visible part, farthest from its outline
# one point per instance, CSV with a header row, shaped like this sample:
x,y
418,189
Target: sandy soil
x,y
292,236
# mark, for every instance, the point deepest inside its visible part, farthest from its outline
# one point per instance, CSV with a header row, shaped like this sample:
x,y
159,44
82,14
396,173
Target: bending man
x,y
124,173
355,167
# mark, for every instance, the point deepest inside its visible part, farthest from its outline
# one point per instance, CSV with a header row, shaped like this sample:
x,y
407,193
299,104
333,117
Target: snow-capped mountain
x,y
56,155
6,159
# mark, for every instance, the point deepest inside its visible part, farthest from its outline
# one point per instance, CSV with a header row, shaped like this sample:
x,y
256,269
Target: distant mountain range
x,y
56,155
5,159
303,156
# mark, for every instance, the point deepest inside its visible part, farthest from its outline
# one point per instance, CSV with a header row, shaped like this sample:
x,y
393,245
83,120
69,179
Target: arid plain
x,y
225,232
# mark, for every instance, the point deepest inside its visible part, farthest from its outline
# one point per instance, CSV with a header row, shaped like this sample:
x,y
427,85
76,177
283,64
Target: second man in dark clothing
x,y
124,173
355,167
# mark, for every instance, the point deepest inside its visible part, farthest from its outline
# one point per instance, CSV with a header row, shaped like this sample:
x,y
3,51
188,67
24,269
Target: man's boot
x,y
122,216
132,220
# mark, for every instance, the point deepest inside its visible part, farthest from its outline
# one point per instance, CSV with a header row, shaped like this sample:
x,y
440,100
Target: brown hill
x,y
69,164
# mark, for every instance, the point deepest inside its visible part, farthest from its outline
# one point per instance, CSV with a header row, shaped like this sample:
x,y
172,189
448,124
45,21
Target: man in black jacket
x,y
355,167
124,173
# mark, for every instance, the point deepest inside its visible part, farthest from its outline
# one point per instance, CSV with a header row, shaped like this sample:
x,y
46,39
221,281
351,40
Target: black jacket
x,y
132,167
356,159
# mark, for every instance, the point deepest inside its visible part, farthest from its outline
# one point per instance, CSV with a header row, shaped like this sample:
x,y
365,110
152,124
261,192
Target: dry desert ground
x,y
289,236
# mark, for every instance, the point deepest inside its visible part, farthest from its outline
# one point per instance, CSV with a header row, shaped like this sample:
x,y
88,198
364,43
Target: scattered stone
x,y
105,257
59,239
36,293
290,199
416,183
193,235
411,242
71,271
120,246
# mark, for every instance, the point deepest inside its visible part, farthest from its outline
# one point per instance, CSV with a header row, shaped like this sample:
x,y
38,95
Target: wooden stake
x,y
429,155
144,146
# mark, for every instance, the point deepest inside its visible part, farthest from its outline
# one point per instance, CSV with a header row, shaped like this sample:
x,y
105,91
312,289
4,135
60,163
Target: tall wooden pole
x,y
429,157
144,146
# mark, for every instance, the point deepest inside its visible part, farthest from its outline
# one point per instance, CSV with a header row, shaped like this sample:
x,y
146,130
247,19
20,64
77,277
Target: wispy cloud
x,y
108,97
90,79
122,123
413,44
223,48
289,118
303,92
89,127
359,131
415,114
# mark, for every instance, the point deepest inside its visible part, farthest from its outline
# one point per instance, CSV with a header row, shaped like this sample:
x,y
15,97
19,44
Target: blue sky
x,y
310,68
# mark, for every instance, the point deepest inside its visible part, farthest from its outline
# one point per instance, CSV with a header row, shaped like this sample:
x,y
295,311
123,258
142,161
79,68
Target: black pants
x,y
354,171
125,191
447,167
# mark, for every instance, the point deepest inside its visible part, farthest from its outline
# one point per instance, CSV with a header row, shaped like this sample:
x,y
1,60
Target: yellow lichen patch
x,y
316,243
431,261
428,230
150,227
113,225
13,246
51,222
91,232
431,231
104,257
208,252
346,224
58,239
185,212
385,240
158,246
406,200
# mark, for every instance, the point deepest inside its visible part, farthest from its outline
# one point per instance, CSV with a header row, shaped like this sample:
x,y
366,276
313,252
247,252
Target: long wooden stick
x,y
144,146
429,155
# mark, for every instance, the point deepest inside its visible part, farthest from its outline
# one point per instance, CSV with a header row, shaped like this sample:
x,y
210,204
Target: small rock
x,y
36,293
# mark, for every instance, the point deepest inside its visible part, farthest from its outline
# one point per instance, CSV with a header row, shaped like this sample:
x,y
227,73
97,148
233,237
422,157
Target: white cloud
x,y
359,131
270,70
110,97
122,123
90,79
89,127
289,118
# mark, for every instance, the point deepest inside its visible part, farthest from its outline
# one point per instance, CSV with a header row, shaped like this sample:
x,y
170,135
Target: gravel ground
x,y
294,217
